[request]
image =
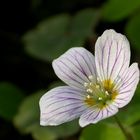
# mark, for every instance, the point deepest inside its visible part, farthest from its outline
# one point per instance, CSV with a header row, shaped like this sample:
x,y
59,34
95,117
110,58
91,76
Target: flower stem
x,y
125,132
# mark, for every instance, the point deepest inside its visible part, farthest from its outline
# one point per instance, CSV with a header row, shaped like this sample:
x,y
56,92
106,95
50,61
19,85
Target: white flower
x,y
97,86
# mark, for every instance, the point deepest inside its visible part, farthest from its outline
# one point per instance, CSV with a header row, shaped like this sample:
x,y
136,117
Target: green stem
x,y
125,132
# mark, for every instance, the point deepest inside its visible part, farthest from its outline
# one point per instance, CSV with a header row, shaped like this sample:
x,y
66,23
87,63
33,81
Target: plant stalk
x,y
125,132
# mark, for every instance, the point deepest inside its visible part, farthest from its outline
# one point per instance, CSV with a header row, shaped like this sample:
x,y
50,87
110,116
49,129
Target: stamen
x,y
89,90
106,92
99,91
100,98
88,97
90,83
86,84
98,79
91,77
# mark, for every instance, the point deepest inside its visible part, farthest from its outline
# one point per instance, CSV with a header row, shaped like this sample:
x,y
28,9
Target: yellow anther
x,y
97,86
90,101
108,84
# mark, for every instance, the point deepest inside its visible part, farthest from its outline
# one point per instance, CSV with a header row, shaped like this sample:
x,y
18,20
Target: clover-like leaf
x,y
102,131
55,35
10,98
42,133
115,10
41,42
136,132
133,31
28,114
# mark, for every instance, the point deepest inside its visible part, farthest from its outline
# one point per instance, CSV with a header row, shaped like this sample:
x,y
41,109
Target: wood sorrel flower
x,y
97,86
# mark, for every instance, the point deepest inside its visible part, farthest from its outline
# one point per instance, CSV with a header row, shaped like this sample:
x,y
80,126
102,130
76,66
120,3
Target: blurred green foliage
x,y
51,37
10,98
28,114
115,10
133,31
102,131
136,131
57,34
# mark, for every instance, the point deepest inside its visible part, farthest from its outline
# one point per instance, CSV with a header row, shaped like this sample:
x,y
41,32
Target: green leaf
x,y
136,132
28,114
42,133
115,10
136,98
54,132
83,23
130,114
53,37
66,129
46,41
10,98
102,131
133,31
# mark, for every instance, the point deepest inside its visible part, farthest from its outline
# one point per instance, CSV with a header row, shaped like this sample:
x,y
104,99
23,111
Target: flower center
x,y
100,92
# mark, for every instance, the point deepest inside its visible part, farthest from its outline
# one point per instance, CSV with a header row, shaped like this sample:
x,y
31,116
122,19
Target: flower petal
x,y
74,67
94,115
112,55
61,104
127,86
